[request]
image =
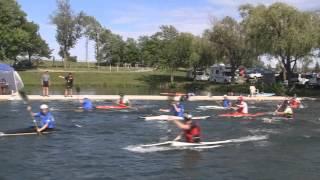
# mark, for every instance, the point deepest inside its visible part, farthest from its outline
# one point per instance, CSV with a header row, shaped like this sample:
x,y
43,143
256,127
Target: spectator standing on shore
x,y
45,82
69,84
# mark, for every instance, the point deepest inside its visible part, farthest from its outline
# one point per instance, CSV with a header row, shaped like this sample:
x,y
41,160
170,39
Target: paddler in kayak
x,y
285,110
226,103
242,106
86,104
177,108
294,102
47,122
191,130
123,101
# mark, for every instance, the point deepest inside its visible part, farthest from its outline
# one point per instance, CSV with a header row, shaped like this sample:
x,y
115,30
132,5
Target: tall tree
x,y
68,28
169,49
281,31
229,39
131,51
92,30
17,35
35,45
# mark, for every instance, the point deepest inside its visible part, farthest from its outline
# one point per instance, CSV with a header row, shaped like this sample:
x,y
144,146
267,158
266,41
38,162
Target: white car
x,y
253,75
202,76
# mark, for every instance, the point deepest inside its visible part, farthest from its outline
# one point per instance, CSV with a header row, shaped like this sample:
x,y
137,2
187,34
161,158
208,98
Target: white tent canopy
x,y
11,77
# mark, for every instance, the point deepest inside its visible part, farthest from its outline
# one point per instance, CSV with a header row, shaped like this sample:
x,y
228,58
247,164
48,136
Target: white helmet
x,y
187,116
44,106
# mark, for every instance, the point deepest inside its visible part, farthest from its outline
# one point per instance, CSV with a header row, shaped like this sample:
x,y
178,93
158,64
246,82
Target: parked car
x,y
202,76
253,74
314,81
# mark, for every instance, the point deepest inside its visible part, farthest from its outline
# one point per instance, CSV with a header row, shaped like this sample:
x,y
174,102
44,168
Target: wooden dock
x,y
143,97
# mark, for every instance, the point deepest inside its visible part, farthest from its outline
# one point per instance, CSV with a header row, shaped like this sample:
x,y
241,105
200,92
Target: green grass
x,y
104,79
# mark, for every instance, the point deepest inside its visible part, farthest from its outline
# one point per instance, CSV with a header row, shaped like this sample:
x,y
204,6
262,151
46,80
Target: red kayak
x,y
236,114
112,107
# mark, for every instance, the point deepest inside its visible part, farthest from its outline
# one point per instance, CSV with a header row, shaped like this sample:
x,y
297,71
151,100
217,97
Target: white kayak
x,y
169,117
211,107
186,144
265,94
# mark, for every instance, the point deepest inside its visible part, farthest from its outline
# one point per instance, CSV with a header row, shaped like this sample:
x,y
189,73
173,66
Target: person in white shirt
x,y
242,106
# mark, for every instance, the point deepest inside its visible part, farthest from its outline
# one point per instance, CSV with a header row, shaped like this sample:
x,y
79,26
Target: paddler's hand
x,y
38,130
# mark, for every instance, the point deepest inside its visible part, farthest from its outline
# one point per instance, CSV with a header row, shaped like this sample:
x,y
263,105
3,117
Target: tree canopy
x,y
18,36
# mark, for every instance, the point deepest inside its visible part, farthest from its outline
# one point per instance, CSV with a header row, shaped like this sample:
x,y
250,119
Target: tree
x,y
35,45
17,35
170,50
280,31
111,47
229,39
68,28
150,50
131,51
92,30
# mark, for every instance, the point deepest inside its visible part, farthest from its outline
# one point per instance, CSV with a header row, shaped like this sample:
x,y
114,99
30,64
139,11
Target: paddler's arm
x,y
178,137
176,108
61,77
29,108
164,110
42,128
181,125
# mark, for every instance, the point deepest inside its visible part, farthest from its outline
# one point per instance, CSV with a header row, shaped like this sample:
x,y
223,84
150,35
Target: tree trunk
x,y
64,59
87,44
172,76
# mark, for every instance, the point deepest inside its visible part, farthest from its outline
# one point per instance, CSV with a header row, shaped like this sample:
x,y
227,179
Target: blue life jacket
x,y
87,104
226,103
180,113
46,118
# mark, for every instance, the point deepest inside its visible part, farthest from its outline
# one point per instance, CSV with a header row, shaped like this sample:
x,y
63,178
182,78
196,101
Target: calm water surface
x,y
106,145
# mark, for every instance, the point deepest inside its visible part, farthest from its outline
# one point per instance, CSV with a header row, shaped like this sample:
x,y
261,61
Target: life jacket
x,y
294,103
192,135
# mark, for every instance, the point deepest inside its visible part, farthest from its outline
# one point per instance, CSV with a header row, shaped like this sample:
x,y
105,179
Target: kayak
x,y
236,114
111,107
265,94
173,94
168,117
23,132
186,144
211,107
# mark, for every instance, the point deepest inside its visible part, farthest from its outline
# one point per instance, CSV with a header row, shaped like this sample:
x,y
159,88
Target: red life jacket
x,y
192,135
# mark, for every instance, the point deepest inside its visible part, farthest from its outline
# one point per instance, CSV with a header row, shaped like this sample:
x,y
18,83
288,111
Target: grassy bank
x,y
105,79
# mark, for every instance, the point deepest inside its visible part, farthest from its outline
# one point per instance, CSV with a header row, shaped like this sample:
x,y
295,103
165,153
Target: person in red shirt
x,y
190,130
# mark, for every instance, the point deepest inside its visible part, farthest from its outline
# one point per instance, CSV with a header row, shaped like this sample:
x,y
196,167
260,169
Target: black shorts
x,y
69,86
45,84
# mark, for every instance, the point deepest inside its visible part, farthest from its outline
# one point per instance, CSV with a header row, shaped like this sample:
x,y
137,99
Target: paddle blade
x,y
23,96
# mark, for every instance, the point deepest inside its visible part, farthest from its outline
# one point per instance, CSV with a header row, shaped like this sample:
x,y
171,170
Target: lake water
x,y
106,145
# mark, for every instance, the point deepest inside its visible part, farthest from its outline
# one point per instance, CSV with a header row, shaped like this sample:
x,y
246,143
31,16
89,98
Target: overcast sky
x,y
134,18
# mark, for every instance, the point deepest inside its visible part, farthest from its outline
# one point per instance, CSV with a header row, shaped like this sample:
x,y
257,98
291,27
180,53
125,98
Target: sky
x,y
134,18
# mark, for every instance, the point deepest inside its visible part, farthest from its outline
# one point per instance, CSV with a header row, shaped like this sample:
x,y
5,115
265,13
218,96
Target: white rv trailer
x,y
220,73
